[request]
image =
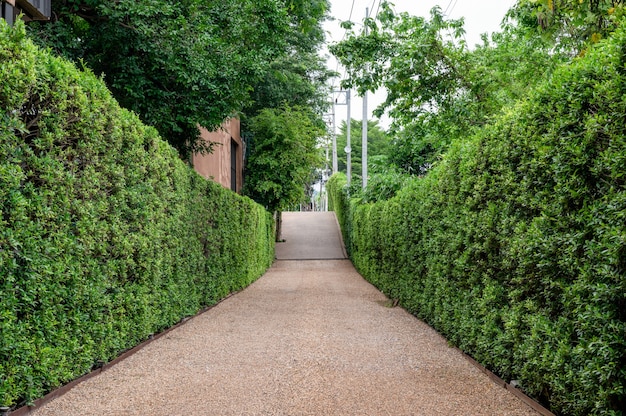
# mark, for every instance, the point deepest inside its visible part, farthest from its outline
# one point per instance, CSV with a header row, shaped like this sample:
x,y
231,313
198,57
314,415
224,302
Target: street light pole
x,y
348,149
364,124
335,164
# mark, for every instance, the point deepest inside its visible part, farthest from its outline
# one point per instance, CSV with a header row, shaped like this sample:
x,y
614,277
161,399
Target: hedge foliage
x,y
106,236
514,246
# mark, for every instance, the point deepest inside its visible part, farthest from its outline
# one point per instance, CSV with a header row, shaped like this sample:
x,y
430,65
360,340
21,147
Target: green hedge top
x,y
106,236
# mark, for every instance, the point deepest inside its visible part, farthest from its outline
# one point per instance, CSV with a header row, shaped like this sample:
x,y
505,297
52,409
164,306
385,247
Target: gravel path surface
x,y
310,236
310,337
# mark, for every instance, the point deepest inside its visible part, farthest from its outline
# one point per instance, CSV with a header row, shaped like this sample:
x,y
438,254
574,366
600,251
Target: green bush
x,y
384,185
106,236
339,201
514,246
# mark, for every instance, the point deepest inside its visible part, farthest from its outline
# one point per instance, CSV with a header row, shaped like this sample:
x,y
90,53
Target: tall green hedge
x,y
106,236
339,201
514,246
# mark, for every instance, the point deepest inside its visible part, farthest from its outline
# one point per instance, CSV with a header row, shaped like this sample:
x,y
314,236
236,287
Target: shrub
x,y
514,246
106,236
384,185
339,201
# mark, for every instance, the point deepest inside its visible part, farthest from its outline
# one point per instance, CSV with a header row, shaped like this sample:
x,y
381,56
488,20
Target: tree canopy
x,y
283,155
575,24
378,142
299,75
195,62
438,89
176,64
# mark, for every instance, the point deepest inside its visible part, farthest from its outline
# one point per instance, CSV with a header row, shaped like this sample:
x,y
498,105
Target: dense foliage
x,y
106,237
575,24
280,170
298,76
378,144
177,64
384,178
283,155
339,202
514,245
438,89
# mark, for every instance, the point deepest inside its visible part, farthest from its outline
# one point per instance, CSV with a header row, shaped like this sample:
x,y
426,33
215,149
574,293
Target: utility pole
x,y
335,165
364,123
348,149
329,118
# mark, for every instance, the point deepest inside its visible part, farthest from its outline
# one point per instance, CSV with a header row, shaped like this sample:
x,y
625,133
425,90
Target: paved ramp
x,y
310,236
308,338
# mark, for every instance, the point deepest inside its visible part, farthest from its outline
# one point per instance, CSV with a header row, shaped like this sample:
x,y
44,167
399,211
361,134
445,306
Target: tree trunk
x,y
279,226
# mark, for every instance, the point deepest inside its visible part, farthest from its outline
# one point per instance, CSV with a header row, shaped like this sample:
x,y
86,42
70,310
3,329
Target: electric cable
x,y
377,9
452,9
345,32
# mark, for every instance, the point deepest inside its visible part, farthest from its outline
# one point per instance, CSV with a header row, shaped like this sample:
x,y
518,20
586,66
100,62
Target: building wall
x,y
31,9
217,166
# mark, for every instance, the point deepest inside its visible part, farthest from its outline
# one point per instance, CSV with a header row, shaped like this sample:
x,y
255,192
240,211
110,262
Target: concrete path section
x,y
310,236
310,337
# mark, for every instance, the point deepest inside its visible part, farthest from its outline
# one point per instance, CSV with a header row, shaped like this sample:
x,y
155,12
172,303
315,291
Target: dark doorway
x,y
233,165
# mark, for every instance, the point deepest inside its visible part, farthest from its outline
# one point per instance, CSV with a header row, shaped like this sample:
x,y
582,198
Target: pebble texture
x,y
311,337
310,236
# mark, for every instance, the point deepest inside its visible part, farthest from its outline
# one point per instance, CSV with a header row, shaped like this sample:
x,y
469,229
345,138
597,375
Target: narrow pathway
x,y
310,337
310,236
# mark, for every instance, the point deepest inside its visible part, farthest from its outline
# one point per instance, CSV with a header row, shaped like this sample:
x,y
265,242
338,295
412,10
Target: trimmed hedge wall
x,y
339,201
106,236
514,246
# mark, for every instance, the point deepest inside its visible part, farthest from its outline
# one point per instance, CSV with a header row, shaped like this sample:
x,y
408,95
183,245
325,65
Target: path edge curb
x,y
343,244
514,390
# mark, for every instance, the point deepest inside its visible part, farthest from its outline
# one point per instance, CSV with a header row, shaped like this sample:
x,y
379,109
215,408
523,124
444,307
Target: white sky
x,y
481,16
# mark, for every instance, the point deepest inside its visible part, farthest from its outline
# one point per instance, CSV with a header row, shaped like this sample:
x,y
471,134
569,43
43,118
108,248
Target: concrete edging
x,y
343,244
514,390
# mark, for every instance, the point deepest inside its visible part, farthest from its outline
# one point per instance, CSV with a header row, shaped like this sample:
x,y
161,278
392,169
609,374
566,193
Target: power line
x,y
453,6
377,9
345,32
351,10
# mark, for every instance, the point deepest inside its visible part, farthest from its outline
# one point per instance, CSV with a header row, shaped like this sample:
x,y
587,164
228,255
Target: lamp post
x,y
364,124
347,149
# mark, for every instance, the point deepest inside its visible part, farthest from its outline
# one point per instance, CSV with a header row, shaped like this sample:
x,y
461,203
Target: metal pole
x,y
364,125
335,164
348,149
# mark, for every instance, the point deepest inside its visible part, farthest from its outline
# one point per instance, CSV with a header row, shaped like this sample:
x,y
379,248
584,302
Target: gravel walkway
x,y
311,337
